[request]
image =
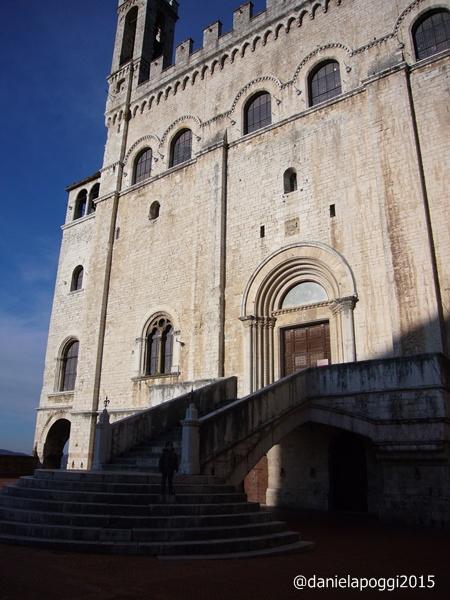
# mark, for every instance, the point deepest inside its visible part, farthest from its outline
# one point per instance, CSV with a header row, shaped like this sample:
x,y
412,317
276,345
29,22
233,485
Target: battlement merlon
x,y
245,23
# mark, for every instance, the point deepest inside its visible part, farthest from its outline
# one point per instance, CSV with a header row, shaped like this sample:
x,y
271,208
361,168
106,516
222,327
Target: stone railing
x,y
390,401
114,439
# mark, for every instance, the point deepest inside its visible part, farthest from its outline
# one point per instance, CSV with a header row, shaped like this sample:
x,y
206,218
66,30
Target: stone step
x,y
295,548
130,467
132,522
143,461
156,447
122,477
120,488
114,498
165,509
101,534
202,548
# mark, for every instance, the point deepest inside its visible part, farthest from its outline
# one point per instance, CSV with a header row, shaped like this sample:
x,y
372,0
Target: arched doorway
x,y
348,473
297,311
57,438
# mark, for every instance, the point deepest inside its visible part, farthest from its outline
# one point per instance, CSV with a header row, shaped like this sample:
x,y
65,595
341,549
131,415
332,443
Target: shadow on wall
x,y
323,467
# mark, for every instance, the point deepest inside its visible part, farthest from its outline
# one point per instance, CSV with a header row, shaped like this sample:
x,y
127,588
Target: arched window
x,y
159,349
143,166
290,181
77,279
94,194
431,33
154,210
324,82
80,205
181,150
258,112
158,44
69,367
129,36
307,292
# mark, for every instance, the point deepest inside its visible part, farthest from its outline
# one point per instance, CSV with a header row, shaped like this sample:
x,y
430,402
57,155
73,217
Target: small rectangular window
x,y
332,210
262,231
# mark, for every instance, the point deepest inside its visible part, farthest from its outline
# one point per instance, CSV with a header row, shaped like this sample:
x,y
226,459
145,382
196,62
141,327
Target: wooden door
x,y
306,346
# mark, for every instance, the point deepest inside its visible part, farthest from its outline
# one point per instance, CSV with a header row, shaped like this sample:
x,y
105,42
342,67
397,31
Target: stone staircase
x,y
120,511
145,457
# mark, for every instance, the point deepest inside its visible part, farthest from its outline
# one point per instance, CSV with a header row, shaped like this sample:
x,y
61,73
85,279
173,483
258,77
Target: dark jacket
x,y
168,463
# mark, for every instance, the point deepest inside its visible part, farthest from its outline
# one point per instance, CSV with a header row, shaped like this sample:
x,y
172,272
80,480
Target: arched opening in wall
x,y
317,467
129,36
154,211
80,205
290,181
93,195
431,33
159,347
158,43
307,345
297,312
324,82
257,112
348,473
69,367
77,279
181,148
142,166
55,444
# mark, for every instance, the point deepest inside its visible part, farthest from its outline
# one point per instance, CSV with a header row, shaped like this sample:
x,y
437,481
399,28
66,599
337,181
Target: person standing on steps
x,y
168,466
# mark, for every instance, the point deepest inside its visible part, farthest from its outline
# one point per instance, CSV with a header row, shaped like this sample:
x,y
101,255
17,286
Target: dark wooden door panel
x,y
305,346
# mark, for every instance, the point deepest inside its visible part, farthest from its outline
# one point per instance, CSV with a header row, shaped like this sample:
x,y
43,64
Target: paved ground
x,y
344,545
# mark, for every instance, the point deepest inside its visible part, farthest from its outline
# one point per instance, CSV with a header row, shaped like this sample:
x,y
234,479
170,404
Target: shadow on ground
x,y
345,544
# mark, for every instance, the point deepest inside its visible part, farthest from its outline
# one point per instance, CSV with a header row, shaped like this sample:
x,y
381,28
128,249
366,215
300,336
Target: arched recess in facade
x,y
55,440
264,318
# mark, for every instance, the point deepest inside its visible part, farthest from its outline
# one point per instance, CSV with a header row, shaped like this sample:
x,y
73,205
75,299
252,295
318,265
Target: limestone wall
x,y
357,152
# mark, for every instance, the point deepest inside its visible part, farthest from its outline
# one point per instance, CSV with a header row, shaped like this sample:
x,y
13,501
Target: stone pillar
x,y
190,443
274,470
259,355
248,354
139,348
271,350
102,443
343,309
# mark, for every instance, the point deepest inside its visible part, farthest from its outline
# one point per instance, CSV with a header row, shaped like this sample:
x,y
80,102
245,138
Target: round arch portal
x,y
266,317
56,439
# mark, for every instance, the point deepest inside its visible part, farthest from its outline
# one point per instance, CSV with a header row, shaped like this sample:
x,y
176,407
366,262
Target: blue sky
x,y
54,59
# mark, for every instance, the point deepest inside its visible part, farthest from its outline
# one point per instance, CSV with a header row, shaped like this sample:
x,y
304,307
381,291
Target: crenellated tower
x,y
145,32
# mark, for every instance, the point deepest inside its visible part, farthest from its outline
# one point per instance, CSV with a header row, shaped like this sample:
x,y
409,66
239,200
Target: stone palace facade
x,y
275,200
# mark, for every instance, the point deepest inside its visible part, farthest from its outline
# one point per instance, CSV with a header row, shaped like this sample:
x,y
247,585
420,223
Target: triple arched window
x,y
181,147
431,33
324,82
159,347
69,366
142,166
257,112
